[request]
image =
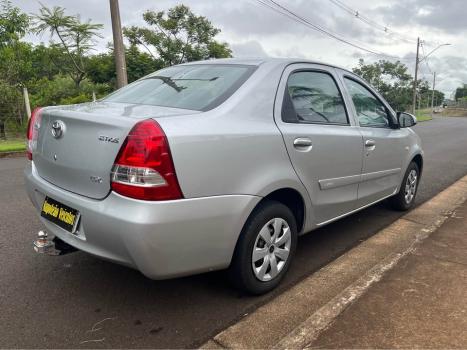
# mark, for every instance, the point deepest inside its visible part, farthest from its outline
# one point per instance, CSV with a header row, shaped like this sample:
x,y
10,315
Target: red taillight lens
x,y
144,168
34,125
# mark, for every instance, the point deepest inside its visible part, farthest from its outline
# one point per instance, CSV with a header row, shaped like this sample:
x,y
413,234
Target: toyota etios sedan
x,y
218,164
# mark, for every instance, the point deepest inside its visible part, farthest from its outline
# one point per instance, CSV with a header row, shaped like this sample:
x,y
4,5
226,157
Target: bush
x,y
61,90
11,108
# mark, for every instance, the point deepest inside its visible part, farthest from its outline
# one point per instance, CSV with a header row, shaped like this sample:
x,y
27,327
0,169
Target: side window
x,y
313,97
371,112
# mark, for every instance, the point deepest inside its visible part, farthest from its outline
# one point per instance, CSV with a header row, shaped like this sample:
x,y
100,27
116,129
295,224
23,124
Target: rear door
x,y
323,143
384,144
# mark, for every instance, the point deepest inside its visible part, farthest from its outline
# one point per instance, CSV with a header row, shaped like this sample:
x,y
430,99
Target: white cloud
x,y
253,30
247,49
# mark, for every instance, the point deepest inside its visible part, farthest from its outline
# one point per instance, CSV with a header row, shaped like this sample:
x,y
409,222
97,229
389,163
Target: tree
x,y
177,36
10,106
391,79
14,54
438,98
47,61
13,23
62,90
76,38
101,67
15,64
461,92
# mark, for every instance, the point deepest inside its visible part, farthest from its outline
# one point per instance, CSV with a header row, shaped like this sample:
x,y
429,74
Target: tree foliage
x,y
75,37
65,70
391,79
14,24
395,83
10,107
62,90
101,67
461,93
14,67
177,36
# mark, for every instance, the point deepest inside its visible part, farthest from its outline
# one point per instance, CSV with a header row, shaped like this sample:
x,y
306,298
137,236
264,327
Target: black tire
x,y
241,271
398,201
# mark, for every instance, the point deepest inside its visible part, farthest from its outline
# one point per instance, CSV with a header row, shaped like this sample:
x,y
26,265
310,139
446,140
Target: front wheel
x,y
265,248
405,198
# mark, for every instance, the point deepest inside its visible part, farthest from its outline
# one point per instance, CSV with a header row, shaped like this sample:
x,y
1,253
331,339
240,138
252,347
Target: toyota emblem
x,y
57,129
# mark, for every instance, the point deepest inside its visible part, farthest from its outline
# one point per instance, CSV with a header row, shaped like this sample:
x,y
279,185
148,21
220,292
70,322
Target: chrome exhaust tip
x,y
44,245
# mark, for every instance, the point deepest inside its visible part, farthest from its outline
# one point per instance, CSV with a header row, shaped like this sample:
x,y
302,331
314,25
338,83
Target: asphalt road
x,y
79,301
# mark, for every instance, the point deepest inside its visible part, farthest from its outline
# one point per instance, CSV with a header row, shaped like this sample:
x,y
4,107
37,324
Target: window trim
x,y
389,113
288,104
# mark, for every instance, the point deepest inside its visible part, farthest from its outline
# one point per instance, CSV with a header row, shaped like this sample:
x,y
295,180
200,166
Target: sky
x,y
253,30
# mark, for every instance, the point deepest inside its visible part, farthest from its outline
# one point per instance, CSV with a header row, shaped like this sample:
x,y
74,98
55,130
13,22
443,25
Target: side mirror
x,y
406,120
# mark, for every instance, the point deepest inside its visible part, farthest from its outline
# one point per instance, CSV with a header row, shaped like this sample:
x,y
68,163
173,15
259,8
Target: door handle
x,y
302,143
370,143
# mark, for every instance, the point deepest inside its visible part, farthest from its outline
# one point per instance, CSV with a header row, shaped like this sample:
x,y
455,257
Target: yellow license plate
x,y
60,214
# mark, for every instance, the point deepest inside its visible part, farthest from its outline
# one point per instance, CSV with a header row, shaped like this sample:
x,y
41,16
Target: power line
x,y
357,14
284,11
275,6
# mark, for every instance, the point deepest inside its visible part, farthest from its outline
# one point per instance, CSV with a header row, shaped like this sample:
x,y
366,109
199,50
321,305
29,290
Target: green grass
x,y
12,145
423,115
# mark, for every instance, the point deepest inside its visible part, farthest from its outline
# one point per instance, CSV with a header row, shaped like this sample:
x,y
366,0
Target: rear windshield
x,y
197,87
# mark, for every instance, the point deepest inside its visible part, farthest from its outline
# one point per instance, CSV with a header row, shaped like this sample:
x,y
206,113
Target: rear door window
x,y
315,98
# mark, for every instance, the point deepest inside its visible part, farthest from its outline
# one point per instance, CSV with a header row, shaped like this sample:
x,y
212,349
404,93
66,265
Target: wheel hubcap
x,y
410,186
271,249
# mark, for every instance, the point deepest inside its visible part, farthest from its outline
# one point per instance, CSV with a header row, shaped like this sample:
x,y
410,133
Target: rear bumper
x,y
161,239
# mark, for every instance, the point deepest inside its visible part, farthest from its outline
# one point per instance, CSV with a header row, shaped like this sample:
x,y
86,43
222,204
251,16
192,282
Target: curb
x,y
14,154
295,318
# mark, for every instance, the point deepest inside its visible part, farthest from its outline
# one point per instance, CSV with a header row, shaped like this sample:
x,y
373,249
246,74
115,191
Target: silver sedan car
x,y
217,164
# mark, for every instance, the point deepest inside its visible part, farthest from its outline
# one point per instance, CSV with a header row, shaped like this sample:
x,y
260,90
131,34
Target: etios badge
x,y
104,138
58,128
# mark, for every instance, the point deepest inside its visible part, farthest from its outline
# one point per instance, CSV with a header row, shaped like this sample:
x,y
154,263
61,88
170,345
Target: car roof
x,y
263,60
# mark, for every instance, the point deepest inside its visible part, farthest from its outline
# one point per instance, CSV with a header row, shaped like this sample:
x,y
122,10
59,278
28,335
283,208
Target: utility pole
x,y
414,99
119,49
433,92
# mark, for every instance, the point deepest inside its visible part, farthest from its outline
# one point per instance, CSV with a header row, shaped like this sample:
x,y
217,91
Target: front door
x,y
384,146
323,143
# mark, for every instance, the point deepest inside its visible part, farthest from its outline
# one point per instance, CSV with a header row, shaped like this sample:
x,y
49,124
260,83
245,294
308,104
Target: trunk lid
x,y
80,159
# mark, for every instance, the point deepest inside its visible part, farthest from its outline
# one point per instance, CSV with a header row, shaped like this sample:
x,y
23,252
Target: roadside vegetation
x,y
66,69
423,115
12,145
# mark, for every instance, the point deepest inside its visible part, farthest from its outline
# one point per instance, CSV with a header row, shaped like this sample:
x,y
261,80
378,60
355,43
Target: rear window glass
x,y
197,87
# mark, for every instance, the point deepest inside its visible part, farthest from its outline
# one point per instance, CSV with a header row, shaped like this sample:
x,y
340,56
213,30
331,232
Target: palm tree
x,y
76,38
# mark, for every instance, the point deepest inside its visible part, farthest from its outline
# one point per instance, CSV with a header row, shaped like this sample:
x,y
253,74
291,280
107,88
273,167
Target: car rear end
x,y
103,177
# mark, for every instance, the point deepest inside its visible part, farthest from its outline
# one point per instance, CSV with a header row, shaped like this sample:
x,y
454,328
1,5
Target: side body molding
x,y
327,184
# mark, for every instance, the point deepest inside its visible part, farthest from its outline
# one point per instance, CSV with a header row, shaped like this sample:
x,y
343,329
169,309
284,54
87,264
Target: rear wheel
x,y
265,248
405,198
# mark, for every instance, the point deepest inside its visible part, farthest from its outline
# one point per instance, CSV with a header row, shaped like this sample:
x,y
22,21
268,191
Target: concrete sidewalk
x,y
404,287
420,303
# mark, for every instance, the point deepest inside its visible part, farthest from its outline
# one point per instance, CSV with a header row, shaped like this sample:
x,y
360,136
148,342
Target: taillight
x,y
144,168
34,125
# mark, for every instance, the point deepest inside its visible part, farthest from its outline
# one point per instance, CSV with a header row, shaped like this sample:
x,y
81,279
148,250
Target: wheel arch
x,y
418,159
292,199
